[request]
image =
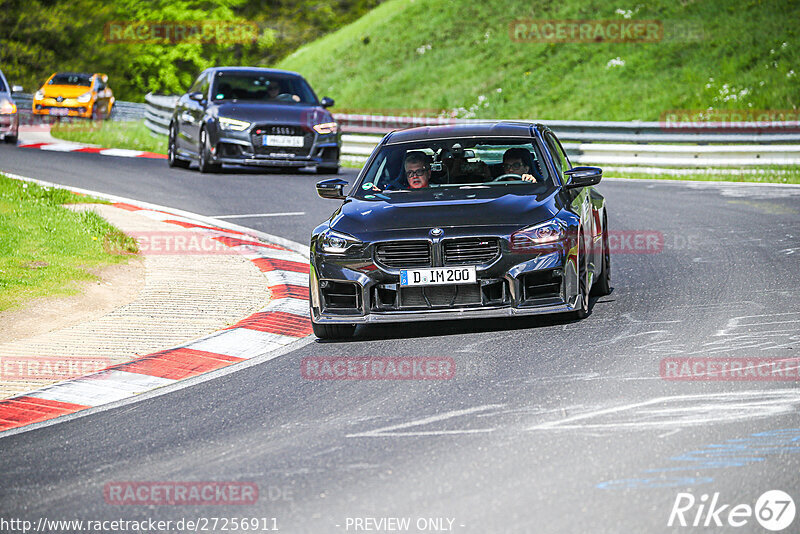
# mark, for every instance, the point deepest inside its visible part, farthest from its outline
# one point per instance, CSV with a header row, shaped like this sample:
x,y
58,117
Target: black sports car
x,y
253,116
445,222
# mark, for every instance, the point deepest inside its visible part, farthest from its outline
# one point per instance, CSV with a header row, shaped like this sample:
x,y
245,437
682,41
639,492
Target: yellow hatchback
x,y
72,94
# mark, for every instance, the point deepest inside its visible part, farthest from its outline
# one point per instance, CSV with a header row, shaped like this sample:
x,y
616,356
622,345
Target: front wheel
x,y
204,150
602,286
172,157
583,283
333,331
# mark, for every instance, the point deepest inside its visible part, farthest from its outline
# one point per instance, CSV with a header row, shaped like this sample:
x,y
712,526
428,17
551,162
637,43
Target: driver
x,y
417,169
274,93
518,161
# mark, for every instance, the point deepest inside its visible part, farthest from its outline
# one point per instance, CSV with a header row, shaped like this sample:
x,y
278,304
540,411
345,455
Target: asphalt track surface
x,y
548,425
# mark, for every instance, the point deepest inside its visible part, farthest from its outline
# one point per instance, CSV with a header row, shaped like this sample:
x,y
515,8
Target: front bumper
x,y
517,276
243,148
69,107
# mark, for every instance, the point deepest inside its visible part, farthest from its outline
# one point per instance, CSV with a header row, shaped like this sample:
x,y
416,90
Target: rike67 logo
x,y
774,510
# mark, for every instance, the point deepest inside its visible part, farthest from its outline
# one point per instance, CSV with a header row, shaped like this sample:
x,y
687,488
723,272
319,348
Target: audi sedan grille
x,y
471,250
401,254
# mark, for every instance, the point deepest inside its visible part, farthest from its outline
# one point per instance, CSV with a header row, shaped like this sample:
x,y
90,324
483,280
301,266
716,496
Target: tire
x,y
583,282
321,169
10,139
172,157
333,331
602,286
204,152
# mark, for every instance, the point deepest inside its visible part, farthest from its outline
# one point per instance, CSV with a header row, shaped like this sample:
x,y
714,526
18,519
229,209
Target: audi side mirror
x,y
583,176
326,102
332,188
197,97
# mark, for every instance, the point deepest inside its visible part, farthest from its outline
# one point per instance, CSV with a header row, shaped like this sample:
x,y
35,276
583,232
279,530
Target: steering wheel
x,y
507,177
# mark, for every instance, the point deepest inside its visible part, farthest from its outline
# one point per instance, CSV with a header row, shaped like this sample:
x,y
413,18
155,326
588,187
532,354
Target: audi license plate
x,y
284,140
438,276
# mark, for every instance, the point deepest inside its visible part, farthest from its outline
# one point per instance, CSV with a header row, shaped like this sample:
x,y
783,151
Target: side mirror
x,y
326,102
332,188
583,176
16,89
197,97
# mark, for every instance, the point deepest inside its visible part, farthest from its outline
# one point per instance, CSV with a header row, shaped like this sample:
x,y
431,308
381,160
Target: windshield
x,y
71,79
458,165
262,87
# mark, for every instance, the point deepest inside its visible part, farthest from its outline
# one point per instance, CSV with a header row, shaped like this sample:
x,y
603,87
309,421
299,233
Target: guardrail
x,y
123,111
597,141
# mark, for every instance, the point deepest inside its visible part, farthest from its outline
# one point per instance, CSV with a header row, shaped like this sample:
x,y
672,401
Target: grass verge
x,y
132,135
45,248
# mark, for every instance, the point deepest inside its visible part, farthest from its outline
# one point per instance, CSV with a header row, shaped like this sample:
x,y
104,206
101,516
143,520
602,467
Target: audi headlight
x,y
326,128
540,234
7,107
85,97
233,124
333,242
39,95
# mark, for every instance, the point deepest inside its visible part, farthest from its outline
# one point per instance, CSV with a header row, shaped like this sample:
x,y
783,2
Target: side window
x,y
204,85
559,157
197,86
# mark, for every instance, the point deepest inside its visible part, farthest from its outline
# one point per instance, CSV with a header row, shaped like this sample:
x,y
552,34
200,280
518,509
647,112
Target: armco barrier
x,y
587,142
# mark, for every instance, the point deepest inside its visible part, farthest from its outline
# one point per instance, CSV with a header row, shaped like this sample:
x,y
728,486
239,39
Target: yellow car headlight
x,y
39,95
85,97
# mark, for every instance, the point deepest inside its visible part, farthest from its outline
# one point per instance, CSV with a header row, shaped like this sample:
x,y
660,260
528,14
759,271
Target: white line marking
x,y
387,430
251,215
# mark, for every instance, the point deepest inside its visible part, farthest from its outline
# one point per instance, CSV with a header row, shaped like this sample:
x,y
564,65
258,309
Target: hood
x,y
67,91
514,210
272,113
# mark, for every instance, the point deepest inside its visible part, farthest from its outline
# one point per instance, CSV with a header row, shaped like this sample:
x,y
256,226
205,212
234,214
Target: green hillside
x,y
459,57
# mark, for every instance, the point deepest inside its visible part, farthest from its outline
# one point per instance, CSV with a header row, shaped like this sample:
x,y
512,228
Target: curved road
x,y
548,425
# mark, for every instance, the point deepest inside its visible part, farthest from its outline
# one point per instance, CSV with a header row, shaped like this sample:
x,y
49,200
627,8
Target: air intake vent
x,y
403,254
471,250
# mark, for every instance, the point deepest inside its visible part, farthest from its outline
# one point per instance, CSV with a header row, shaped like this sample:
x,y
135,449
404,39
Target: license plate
x,y
284,140
59,111
438,276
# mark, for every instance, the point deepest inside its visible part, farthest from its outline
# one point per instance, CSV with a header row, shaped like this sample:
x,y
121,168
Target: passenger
x,y
417,170
518,161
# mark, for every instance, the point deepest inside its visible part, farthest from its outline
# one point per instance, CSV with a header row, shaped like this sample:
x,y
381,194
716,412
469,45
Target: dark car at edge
x,y
9,113
479,240
254,117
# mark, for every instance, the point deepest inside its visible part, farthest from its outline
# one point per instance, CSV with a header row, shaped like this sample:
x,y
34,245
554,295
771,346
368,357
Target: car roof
x,y
472,129
262,70
69,73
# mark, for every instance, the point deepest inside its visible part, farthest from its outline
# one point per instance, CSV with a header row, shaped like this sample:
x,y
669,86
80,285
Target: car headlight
x,y
7,107
85,97
39,95
333,242
326,128
540,234
233,124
